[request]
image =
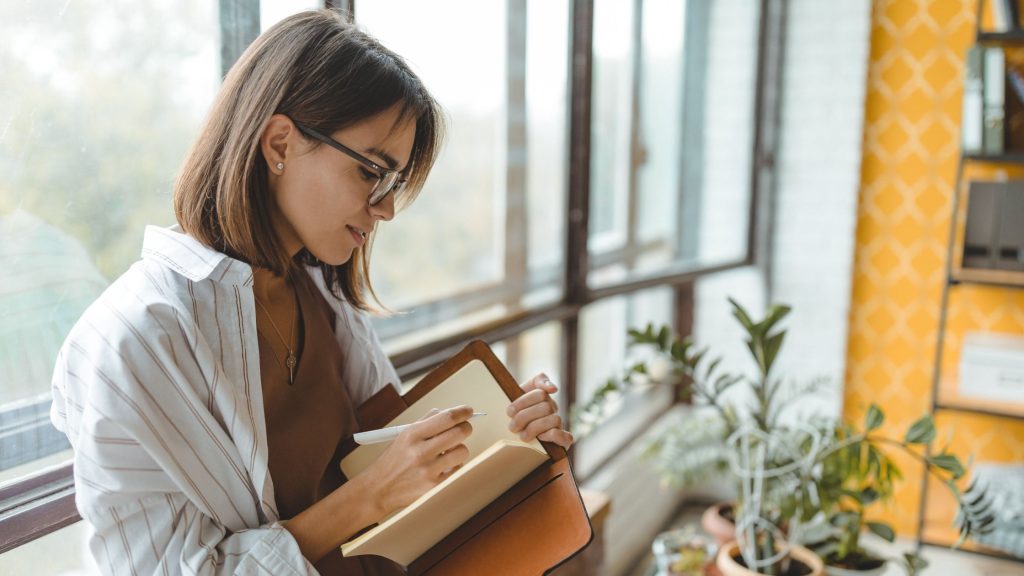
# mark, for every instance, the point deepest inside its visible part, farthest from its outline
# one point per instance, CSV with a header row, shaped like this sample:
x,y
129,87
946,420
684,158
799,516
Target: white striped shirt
x,y
158,389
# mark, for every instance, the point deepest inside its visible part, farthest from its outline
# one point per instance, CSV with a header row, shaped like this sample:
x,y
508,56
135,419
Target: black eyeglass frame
x,y
388,180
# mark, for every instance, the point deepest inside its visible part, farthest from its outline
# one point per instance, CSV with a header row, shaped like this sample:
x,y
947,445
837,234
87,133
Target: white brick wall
x,y
825,80
824,77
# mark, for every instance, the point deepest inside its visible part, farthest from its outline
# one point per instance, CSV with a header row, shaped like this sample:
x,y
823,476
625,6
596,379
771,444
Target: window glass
x,y
451,238
603,354
273,11
611,123
661,99
547,117
535,351
99,102
682,197
485,239
61,553
728,135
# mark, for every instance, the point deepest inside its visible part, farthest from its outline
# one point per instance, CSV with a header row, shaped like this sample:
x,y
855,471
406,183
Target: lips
x,y
358,234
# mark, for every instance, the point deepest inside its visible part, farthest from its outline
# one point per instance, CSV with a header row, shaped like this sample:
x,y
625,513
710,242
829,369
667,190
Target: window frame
x,y
44,502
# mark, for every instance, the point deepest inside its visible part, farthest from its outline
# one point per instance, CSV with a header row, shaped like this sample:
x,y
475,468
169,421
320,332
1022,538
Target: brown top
x,y
307,422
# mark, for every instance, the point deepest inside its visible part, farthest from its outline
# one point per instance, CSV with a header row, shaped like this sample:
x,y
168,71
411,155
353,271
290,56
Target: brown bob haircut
x,y
320,71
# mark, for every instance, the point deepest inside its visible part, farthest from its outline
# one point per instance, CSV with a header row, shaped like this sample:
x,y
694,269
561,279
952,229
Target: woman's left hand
x,y
535,413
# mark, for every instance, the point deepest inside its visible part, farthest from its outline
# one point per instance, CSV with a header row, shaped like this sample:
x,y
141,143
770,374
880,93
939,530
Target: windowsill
x,y
941,560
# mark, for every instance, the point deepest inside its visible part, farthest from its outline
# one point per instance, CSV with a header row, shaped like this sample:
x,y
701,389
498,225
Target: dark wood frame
x,y
44,502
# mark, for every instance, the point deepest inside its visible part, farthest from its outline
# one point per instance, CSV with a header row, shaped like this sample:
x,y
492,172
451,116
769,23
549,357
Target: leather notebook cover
x,y
531,528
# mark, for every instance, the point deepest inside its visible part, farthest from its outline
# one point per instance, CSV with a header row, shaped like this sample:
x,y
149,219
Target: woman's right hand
x,y
420,458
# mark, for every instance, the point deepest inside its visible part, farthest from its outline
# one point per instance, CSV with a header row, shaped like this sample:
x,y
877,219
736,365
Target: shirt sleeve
x,y
166,534
151,480
378,371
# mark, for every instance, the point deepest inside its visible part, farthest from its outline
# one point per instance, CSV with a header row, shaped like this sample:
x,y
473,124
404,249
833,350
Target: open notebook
x,y
498,460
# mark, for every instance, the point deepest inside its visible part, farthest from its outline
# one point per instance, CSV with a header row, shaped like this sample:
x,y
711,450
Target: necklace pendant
x,y
290,362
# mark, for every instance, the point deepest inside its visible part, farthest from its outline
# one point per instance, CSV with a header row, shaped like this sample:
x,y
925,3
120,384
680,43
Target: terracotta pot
x,y
717,526
728,566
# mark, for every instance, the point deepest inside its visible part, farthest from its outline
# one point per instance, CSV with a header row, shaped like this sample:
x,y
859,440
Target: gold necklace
x,y
291,360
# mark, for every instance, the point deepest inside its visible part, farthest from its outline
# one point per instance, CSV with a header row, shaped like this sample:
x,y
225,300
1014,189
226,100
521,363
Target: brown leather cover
x,y
533,527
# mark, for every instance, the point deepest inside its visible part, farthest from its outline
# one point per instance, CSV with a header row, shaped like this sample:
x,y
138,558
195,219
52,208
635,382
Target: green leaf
x,y
741,315
696,358
711,368
874,418
868,495
840,519
771,349
914,563
949,463
664,337
724,382
776,313
922,431
678,350
883,530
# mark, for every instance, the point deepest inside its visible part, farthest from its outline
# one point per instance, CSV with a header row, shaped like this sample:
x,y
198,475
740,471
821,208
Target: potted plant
x,y
856,473
789,477
682,552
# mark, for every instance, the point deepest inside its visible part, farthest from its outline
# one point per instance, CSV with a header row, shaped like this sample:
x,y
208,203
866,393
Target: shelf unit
x,y
945,398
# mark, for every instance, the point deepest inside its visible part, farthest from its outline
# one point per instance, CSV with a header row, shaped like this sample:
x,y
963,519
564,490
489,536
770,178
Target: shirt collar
x,y
191,258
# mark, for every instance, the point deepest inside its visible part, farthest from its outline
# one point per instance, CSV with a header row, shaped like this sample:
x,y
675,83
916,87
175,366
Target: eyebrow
x,y
388,160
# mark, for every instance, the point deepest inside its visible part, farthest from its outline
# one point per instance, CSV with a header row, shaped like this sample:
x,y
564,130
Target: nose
x,y
385,209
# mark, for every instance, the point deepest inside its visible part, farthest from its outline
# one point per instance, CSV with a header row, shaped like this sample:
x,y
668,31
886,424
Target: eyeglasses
x,y
388,180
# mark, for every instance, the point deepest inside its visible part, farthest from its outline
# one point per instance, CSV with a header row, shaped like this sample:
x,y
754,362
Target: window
x,y
95,122
573,199
484,239
673,132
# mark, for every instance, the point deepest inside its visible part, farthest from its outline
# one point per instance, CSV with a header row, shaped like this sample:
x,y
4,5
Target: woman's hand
x,y
535,414
420,458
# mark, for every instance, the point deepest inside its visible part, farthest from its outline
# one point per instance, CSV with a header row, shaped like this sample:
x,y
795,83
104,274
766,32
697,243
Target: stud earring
x,y
280,165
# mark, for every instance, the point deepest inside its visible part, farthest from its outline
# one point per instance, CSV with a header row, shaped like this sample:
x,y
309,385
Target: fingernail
x,y
511,410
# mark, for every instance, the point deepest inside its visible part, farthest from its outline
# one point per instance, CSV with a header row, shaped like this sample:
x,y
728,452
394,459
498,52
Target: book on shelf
x,y
992,368
1014,122
994,98
489,511
992,248
1005,15
980,227
971,123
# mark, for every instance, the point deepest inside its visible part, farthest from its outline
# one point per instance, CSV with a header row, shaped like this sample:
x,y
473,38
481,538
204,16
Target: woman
x,y
207,391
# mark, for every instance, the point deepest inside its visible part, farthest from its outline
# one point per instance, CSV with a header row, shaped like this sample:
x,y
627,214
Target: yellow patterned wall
x,y
911,151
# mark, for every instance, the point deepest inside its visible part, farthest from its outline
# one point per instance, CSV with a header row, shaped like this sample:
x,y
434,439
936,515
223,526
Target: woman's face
x,y
321,194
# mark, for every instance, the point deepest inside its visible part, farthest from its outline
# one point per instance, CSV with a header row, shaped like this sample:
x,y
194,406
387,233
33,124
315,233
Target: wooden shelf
x,y
999,278
1015,36
944,535
1005,158
987,408
949,398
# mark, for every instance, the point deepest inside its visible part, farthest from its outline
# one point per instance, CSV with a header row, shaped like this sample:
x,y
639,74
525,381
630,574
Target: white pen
x,y
390,433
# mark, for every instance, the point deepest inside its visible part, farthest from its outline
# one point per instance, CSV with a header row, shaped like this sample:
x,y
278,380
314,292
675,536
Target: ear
x,y
278,141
